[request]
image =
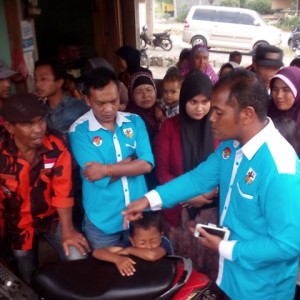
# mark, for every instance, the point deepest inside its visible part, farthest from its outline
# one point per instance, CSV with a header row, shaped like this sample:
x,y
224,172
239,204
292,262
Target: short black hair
x,y
290,131
99,78
150,219
184,54
234,54
57,67
295,62
246,89
173,75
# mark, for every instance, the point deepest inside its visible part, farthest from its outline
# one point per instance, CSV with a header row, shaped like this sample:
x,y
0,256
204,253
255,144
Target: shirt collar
x,y
254,144
94,125
12,149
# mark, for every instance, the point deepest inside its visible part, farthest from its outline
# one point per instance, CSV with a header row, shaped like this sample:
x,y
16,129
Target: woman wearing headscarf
x,y
130,63
144,103
183,142
199,60
285,94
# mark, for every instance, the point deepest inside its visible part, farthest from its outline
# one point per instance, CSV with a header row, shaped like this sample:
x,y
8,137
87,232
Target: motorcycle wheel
x,y
142,44
166,44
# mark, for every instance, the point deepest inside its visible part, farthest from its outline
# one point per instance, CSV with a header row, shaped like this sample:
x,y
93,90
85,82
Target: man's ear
x,y
249,115
9,127
86,99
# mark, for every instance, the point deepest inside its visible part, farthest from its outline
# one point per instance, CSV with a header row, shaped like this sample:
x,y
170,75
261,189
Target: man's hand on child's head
x,y
125,265
134,210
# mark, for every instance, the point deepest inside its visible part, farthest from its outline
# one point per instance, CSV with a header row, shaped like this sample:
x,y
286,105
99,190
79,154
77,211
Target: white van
x,y
228,27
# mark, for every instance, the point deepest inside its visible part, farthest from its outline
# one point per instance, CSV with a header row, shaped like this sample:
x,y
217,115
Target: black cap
x,y
269,56
22,108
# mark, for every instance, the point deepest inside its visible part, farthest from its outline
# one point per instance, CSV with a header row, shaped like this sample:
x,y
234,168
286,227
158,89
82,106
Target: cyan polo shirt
x,y
90,142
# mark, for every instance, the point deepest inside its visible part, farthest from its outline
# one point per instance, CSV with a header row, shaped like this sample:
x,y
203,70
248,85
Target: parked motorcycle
x,y
161,39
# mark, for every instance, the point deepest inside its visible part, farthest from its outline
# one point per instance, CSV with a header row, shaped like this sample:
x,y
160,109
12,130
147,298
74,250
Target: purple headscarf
x,y
291,77
209,70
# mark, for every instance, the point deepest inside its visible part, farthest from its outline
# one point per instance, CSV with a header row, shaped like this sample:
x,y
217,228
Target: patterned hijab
x,y
291,77
148,115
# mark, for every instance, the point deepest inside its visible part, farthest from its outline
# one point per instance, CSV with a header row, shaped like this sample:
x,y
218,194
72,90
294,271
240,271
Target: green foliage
x,y
165,1
185,9
230,3
263,7
288,23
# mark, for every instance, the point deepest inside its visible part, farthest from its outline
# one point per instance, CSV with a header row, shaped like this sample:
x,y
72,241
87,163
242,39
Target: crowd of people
x,y
217,147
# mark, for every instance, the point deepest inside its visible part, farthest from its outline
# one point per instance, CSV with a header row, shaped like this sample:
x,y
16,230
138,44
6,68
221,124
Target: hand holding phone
x,y
222,232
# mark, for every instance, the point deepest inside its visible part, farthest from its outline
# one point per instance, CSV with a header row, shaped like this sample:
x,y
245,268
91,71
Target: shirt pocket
x,y
248,205
245,193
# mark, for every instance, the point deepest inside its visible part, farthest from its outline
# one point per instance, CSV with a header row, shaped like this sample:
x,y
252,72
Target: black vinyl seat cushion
x,y
92,279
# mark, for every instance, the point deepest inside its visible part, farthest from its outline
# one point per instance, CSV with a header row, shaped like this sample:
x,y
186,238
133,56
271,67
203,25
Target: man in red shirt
x,y
35,186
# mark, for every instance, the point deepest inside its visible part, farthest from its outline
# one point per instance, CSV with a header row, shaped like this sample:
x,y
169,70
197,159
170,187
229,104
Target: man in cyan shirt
x,y
113,151
258,174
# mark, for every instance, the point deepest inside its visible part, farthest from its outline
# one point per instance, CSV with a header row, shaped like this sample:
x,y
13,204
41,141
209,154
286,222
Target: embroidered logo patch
x,y
226,153
128,132
97,141
250,176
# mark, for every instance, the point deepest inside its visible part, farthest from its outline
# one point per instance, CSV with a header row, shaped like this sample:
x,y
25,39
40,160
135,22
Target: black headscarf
x,y
196,136
132,56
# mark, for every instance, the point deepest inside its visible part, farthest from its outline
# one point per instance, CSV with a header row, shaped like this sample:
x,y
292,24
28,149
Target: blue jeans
x,y
99,239
27,260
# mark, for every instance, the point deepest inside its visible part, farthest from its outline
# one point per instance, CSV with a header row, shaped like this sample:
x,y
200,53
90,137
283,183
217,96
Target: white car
x,y
228,27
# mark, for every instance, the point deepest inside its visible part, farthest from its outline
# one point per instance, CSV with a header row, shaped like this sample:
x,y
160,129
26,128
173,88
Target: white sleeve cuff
x,y
154,200
226,249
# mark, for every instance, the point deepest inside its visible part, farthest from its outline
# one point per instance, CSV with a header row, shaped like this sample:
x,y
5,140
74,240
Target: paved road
x,y
216,58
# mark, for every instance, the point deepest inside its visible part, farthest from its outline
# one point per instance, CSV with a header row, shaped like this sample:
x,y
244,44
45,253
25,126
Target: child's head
x,y
146,232
184,57
171,88
235,56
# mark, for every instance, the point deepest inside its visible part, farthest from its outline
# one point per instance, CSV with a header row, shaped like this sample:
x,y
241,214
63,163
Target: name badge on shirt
x,y
250,176
226,153
128,132
97,141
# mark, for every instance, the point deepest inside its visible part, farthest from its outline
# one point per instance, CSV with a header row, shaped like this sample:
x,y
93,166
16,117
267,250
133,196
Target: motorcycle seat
x,y
161,34
92,279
